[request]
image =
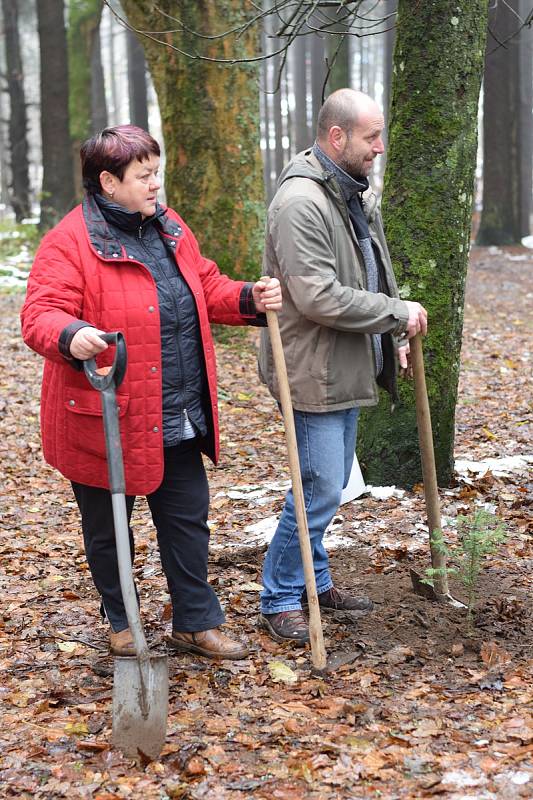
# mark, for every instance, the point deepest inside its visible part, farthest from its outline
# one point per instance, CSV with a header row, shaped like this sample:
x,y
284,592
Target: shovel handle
x,y
427,457
106,385
115,375
318,651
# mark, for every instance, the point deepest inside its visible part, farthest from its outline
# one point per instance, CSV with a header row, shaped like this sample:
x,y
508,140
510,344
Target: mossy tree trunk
x,y
429,182
84,21
210,118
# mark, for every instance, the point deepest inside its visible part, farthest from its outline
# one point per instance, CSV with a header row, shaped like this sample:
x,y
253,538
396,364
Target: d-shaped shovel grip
x,y
115,374
106,385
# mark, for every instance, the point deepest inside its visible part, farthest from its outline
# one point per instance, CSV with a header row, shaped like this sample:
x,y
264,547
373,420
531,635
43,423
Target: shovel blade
x,y
134,732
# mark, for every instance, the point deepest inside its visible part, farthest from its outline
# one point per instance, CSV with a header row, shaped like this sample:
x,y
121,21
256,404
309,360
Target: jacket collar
x,y
307,165
120,217
350,186
101,234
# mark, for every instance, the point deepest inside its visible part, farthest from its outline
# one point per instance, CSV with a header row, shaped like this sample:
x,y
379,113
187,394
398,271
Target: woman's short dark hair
x,y
113,149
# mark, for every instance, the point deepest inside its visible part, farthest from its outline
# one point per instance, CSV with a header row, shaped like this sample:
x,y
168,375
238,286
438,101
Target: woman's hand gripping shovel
x,y
140,683
318,651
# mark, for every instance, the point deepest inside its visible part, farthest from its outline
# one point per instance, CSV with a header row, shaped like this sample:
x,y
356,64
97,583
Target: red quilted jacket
x,y
81,273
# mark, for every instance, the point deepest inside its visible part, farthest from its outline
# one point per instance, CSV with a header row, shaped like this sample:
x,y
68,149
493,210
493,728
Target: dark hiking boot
x,y
286,626
341,601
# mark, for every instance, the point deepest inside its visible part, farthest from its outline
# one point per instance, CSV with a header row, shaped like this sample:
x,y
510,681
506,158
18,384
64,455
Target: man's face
x,y
363,144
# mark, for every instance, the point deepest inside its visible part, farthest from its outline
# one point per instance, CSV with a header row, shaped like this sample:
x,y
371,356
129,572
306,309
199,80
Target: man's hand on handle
x,y
418,319
417,323
267,294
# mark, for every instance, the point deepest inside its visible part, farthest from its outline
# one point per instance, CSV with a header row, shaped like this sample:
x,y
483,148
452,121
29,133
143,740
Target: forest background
x,y
444,72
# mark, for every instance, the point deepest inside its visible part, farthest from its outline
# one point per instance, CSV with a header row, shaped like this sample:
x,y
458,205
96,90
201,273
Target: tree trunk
x,y
525,70
427,211
338,48
388,52
137,81
277,117
301,134
18,120
318,73
98,98
210,118
507,129
58,179
84,23
387,39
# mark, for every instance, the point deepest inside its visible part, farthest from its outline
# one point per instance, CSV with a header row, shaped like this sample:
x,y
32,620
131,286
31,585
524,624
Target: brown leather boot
x,y
121,643
212,644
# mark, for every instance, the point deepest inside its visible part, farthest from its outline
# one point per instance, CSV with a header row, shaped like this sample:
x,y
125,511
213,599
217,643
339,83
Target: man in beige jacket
x,y
343,327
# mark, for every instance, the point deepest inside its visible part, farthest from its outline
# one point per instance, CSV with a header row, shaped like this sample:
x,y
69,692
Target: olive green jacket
x,y
327,312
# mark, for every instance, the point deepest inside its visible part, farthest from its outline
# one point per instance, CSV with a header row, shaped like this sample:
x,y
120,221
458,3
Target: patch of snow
x,y
410,543
261,532
461,778
254,492
500,467
384,492
334,540
518,777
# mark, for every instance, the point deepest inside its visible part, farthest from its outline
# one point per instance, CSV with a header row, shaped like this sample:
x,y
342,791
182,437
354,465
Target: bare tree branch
x,y
295,17
523,23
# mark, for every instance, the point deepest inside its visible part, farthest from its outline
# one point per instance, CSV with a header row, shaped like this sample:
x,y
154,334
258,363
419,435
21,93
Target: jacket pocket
x,y
84,419
325,340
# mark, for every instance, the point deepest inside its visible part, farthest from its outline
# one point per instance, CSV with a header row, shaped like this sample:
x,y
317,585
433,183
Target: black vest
x,y
183,374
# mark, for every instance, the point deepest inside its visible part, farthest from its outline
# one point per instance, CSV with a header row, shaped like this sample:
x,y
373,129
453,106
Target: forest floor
x,y
423,705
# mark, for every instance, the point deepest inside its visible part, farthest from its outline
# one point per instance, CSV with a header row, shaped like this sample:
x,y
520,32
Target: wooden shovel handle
x,y
427,456
318,652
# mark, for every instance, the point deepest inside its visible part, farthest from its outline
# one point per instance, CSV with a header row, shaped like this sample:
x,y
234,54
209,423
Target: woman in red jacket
x,y
119,261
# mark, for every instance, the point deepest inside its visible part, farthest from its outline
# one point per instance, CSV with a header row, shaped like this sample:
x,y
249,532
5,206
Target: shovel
x,y
440,590
316,635
140,682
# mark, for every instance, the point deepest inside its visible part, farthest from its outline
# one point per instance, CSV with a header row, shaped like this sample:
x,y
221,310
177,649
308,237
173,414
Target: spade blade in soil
x,y
140,717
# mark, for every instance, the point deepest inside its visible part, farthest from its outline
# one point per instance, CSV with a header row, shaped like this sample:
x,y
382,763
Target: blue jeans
x,y
326,447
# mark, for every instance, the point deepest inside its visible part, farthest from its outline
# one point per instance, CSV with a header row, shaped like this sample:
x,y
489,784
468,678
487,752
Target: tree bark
x,y
210,119
302,135
338,48
388,51
318,73
137,81
427,212
507,129
58,180
18,119
98,98
84,22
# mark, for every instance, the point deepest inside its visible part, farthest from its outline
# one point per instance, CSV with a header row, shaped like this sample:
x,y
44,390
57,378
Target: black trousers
x,y
179,509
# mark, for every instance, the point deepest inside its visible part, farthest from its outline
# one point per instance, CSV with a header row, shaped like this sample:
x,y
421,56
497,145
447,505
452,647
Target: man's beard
x,y
354,167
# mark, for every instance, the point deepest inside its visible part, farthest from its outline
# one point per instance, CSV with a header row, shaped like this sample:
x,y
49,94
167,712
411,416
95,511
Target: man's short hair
x,y
340,108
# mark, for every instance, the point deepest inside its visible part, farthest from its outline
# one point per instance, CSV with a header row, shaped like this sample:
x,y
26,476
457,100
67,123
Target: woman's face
x,y
137,191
